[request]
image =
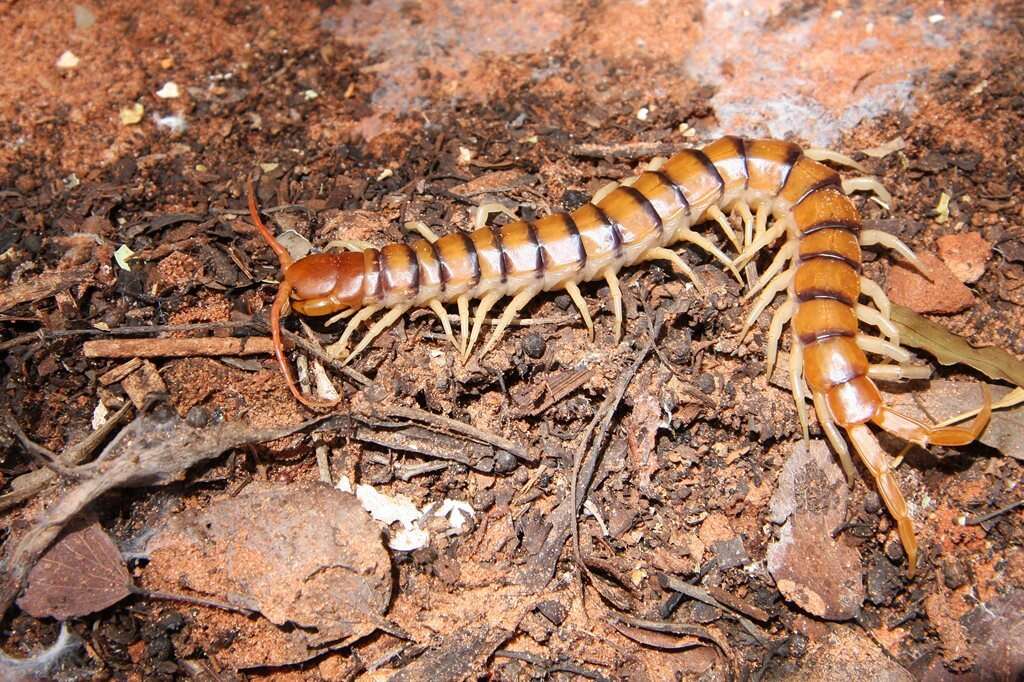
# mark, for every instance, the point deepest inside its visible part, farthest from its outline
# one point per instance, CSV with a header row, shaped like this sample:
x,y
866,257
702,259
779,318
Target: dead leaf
x,y
810,481
950,349
306,556
81,574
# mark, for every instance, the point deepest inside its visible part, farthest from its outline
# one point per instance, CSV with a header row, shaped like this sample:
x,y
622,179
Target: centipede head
x,y
315,285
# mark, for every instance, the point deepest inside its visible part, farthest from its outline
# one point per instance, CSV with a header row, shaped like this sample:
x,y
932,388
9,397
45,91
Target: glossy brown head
x,y
326,283
313,282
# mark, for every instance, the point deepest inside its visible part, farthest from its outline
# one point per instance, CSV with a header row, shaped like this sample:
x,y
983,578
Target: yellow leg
x,y
485,211
339,348
680,266
871,289
899,372
442,315
379,326
779,262
463,303
873,344
616,296
876,319
778,229
700,241
514,306
869,184
422,229
486,303
879,464
716,214
872,237
773,289
761,220
828,426
748,221
783,315
573,290
796,384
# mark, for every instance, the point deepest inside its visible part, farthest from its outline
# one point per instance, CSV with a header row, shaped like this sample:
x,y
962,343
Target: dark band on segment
x,y
793,154
710,167
823,335
645,204
531,234
443,273
474,257
817,294
615,229
832,255
832,182
851,226
577,239
414,263
503,259
677,191
378,279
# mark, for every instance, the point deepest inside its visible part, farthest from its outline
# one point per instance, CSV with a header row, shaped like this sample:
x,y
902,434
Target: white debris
x,y
399,509
936,18
310,95
67,60
122,256
131,115
643,114
99,416
173,123
170,90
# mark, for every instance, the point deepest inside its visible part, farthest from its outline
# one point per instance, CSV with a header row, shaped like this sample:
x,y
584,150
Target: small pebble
x,y
505,462
197,417
554,611
872,503
706,383
67,60
894,550
534,346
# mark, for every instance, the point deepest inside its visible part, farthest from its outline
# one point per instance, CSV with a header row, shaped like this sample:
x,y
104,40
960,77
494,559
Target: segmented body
x,y
818,267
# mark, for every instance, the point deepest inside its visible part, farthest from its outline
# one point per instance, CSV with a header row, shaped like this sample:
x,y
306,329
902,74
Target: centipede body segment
x,y
779,191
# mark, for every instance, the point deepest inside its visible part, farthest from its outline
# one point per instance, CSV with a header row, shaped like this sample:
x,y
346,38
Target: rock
x,y
944,294
815,572
810,481
965,254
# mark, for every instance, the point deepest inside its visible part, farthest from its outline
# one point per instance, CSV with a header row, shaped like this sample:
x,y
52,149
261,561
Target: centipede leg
x,y
442,315
606,190
573,290
747,217
275,332
701,242
378,327
513,308
876,319
680,266
761,218
422,229
872,237
463,304
716,214
485,305
773,289
782,316
870,288
869,184
878,463
820,154
831,431
873,344
899,372
485,211
340,347
781,257
796,385
616,296
922,434
764,240
349,244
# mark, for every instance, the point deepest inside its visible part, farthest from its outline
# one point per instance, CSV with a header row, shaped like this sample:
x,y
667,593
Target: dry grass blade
x,y
950,348
81,574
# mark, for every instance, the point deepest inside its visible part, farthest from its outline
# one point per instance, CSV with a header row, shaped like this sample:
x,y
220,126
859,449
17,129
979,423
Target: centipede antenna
x,y
268,236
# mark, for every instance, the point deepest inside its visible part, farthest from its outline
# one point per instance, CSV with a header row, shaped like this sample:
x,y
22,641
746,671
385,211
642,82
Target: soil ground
x,y
357,117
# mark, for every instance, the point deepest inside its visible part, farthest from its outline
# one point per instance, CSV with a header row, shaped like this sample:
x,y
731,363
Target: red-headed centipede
x,y
819,267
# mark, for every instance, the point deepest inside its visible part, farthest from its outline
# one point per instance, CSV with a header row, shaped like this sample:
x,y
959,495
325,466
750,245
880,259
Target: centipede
x,y
779,191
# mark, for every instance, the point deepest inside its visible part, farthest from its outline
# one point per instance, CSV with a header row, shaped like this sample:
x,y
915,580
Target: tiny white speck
x,y
936,18
643,113
310,95
837,14
67,60
870,28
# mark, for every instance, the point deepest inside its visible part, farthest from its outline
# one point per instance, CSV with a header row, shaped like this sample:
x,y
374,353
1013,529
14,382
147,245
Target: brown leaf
x,y
81,574
950,348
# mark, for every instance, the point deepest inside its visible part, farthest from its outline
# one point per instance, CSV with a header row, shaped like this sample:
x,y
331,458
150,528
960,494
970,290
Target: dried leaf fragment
x,y
81,574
